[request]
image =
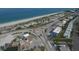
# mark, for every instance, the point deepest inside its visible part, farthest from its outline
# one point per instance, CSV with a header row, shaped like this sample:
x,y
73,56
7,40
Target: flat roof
x,y
57,29
26,35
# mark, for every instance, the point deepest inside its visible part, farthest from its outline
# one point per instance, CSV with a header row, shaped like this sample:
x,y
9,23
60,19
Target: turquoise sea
x,y
13,14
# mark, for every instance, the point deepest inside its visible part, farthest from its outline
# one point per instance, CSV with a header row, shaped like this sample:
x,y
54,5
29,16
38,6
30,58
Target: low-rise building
x,y
56,31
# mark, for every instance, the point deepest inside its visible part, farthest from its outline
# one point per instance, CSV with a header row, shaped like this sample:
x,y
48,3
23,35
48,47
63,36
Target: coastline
x,y
26,20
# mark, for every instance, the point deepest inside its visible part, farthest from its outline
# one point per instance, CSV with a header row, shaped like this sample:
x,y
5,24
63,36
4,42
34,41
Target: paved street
x,y
40,33
75,38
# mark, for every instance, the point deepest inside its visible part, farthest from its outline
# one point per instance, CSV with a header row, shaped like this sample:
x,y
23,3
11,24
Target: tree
x,y
42,48
0,33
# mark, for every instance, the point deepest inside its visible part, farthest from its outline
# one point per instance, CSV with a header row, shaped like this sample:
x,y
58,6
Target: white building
x,y
57,30
64,22
64,48
66,19
68,31
26,35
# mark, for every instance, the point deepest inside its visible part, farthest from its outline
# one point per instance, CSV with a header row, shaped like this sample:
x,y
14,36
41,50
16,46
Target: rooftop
x,y
26,35
58,29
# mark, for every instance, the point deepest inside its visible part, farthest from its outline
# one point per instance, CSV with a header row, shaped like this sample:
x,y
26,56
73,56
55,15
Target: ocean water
x,y
13,14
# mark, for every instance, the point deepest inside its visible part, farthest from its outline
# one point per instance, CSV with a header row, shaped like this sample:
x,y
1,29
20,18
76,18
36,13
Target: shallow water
x,y
14,14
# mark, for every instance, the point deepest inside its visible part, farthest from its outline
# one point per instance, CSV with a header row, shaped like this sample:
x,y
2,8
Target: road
x,y
75,38
39,33
42,35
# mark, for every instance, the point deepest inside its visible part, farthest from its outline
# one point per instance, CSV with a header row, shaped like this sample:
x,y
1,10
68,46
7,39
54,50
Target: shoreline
x,y
26,20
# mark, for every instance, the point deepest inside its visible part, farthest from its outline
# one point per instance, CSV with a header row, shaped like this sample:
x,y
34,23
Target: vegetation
x,y
58,38
42,48
0,33
18,28
11,49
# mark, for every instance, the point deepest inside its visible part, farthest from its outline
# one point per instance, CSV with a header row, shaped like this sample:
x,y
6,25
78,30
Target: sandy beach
x,y
26,20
